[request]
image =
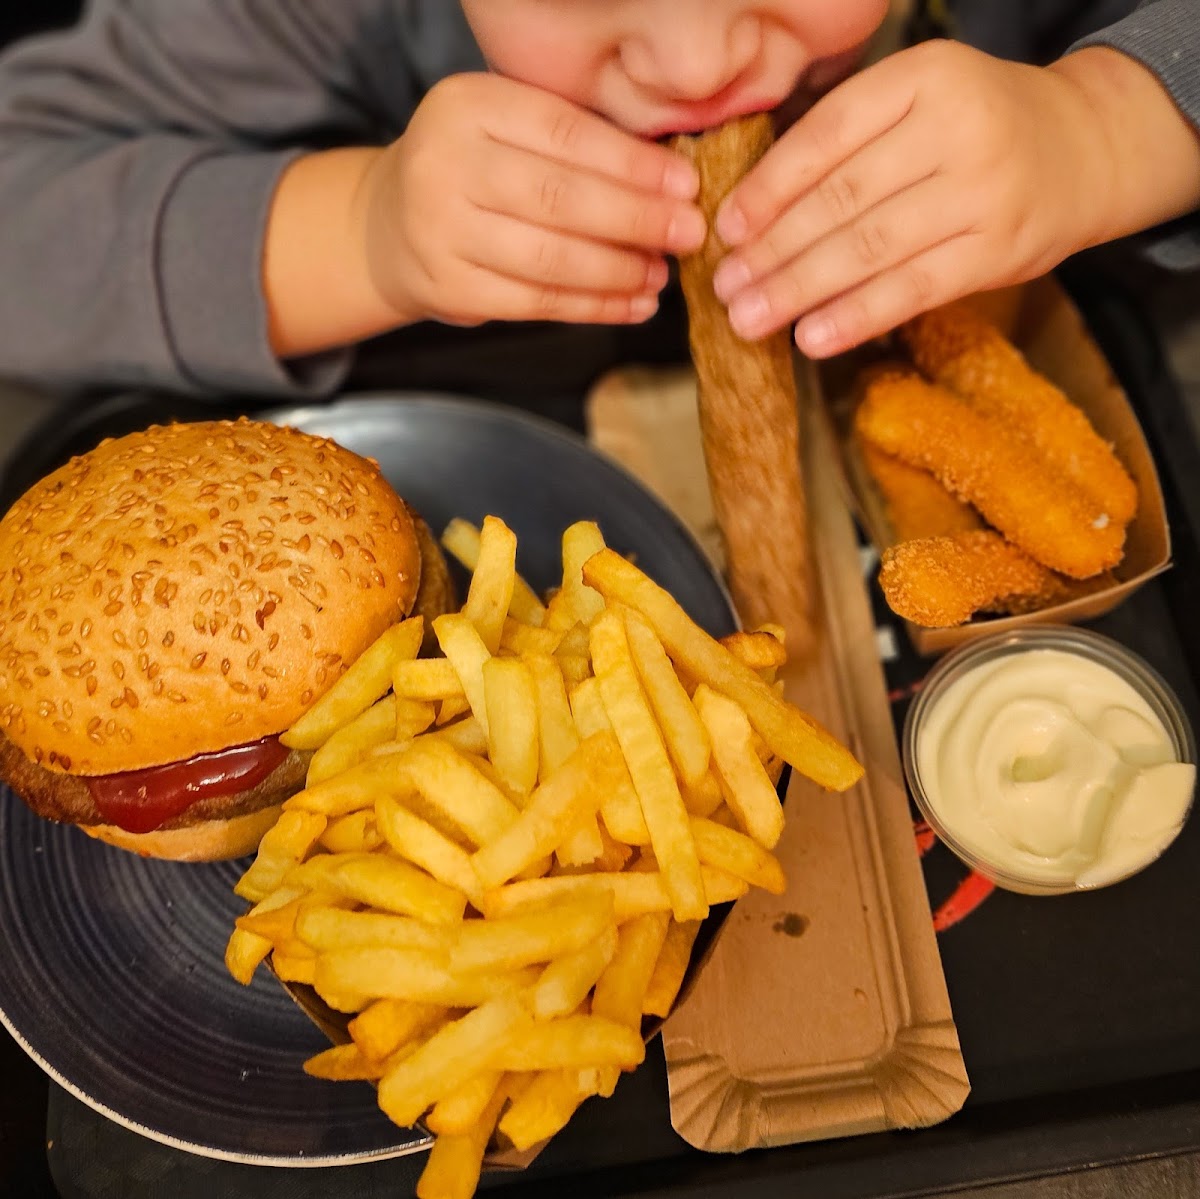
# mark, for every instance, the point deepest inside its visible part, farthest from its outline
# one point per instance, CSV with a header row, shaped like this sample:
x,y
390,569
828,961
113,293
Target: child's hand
x,y
937,172
504,202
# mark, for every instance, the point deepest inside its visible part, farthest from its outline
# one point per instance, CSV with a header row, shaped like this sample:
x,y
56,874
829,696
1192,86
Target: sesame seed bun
x,y
191,587
187,589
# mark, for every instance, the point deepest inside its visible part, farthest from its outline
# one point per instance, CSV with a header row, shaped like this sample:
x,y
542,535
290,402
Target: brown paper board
x,y
1046,326
822,1012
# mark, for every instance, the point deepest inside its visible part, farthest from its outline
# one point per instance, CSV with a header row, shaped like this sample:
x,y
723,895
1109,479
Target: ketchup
x,y
140,801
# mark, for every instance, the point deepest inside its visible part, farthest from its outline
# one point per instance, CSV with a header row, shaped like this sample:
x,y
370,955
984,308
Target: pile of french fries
x,y
503,855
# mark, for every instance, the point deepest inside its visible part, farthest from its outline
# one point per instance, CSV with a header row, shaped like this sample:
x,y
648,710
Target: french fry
x,y
512,708
670,969
458,1112
576,641
762,649
492,582
353,833
453,790
395,886
633,892
428,680
455,1162
323,928
538,936
575,602
451,708
450,1057
575,668
748,789
461,643
466,735
614,854
738,854
380,1029
417,841
350,791
572,1042
554,810
543,1108
566,981
621,989
413,717
705,796
283,845
244,952
649,767
557,734
365,681
294,968
352,741
461,539
275,916
559,738
619,809
790,733
481,763
517,637
343,1063
684,733
412,974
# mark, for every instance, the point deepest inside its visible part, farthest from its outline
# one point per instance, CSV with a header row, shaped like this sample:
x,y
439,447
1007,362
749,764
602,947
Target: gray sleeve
x,y
139,153
1164,35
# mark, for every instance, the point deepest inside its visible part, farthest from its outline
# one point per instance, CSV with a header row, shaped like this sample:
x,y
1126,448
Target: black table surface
x,y
1058,1104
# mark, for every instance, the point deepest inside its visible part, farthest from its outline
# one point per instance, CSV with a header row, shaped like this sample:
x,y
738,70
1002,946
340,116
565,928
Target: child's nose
x,y
691,51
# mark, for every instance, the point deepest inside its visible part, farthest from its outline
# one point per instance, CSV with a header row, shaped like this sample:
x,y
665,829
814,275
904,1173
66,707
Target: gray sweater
x,y
140,150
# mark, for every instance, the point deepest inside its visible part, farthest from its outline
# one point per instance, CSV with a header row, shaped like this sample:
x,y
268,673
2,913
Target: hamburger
x,y
173,600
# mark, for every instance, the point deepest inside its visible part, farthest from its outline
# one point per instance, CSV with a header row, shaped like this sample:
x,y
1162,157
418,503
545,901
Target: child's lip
x,y
695,117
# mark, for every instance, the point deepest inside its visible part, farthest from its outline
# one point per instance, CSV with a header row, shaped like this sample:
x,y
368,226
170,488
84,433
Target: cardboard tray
x,y
1079,976
822,1012
1043,322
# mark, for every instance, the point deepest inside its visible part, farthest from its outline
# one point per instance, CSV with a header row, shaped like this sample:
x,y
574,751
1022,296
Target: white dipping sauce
x,y
1052,767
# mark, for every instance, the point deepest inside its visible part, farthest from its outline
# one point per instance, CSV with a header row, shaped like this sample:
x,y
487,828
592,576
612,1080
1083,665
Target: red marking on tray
x,y
926,837
909,689
967,896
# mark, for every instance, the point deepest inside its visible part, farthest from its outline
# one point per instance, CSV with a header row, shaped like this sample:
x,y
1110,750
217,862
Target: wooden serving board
x,y
822,1012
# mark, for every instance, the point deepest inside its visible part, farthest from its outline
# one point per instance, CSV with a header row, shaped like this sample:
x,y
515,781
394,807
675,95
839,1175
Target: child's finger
x,y
499,297
546,125
889,299
538,255
544,192
883,168
889,234
853,115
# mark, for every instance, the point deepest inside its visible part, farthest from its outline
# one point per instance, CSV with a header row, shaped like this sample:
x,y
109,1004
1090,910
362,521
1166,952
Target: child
x,y
226,194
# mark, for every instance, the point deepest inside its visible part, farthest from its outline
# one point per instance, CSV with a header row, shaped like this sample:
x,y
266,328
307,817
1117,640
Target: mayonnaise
x,y
1051,767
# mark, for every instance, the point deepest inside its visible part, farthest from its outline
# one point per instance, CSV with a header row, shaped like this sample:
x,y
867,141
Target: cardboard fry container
x,y
1042,322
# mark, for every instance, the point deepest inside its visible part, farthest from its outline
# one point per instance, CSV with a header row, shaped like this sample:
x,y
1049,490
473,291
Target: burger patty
x,y
436,592
66,798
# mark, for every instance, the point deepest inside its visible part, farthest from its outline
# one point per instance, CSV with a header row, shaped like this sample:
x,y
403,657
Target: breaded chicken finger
x,y
941,581
983,462
957,348
917,504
